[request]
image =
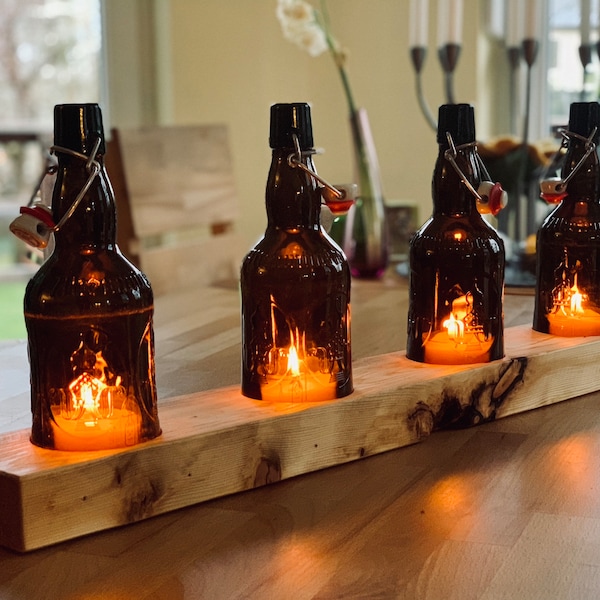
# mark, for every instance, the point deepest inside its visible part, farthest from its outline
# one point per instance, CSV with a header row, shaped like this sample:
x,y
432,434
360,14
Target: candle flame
x,y
576,301
293,361
85,397
90,396
455,328
569,300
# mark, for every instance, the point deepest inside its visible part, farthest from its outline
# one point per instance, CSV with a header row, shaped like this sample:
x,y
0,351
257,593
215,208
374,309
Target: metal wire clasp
x,y
553,188
35,224
450,156
93,168
490,197
295,160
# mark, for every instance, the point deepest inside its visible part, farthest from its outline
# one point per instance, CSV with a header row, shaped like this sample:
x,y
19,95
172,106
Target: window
x,y
50,53
566,81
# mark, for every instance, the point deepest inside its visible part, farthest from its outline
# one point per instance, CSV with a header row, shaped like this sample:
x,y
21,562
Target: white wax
x,y
514,22
418,24
450,21
586,11
532,20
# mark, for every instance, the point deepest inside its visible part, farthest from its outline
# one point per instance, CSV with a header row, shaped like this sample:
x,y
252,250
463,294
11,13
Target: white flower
x,y
299,25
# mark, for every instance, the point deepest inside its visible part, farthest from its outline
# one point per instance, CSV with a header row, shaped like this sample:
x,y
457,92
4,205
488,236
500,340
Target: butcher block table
x,y
506,509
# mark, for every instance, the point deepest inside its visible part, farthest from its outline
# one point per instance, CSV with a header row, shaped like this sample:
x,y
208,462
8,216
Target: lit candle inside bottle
x,y
298,380
90,419
455,344
570,317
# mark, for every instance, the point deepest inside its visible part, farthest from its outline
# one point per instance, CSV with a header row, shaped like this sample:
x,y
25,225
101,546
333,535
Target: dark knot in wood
x,y
267,471
458,409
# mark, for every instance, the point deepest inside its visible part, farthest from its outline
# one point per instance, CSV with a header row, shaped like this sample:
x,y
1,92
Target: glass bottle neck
x,y
293,198
585,182
450,195
93,222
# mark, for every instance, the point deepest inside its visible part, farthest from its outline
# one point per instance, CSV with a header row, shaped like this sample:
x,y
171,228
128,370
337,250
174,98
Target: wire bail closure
x,y
35,223
339,199
490,197
554,189
93,168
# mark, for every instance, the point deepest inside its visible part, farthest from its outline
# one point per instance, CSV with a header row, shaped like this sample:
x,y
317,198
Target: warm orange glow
x,y
570,467
90,399
569,316
576,300
84,393
455,328
451,493
450,502
441,349
293,361
461,341
295,373
94,415
299,378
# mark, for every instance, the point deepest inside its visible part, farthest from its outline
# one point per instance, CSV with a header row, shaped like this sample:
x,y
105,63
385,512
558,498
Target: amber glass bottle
x,y
88,310
456,260
567,299
295,282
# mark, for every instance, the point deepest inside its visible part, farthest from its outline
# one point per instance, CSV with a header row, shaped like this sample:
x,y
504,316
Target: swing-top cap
x,y
287,119
459,121
583,117
78,126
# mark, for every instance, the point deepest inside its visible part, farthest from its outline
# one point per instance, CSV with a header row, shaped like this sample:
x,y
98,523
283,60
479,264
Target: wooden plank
x,y
177,191
113,161
217,442
193,262
178,177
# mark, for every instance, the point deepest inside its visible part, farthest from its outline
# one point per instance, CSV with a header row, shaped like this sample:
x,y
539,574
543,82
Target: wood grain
x,y
508,509
177,202
217,442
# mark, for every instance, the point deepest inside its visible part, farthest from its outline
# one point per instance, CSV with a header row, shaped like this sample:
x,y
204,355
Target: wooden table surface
x,y
510,509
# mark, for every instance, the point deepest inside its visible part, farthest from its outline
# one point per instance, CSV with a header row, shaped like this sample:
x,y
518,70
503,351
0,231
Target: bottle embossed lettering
x,y
295,282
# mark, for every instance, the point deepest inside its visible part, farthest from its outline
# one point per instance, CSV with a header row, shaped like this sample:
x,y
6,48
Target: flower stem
x,y
338,56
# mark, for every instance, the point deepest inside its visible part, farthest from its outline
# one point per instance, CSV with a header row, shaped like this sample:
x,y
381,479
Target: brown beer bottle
x,y
567,298
88,310
456,259
295,283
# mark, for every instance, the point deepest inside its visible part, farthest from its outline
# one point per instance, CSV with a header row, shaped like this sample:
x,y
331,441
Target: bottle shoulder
x,y
465,227
295,250
574,217
456,237
71,283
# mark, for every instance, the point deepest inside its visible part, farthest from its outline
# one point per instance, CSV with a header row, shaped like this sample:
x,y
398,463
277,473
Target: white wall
x,y
226,61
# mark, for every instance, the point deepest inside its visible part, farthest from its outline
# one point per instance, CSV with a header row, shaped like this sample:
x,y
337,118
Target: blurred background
x,y
156,62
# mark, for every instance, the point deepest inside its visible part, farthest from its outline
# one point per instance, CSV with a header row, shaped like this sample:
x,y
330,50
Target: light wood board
x,y
175,190
218,442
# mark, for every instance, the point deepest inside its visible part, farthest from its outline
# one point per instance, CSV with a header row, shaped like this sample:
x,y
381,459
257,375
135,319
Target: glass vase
x,y
362,233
